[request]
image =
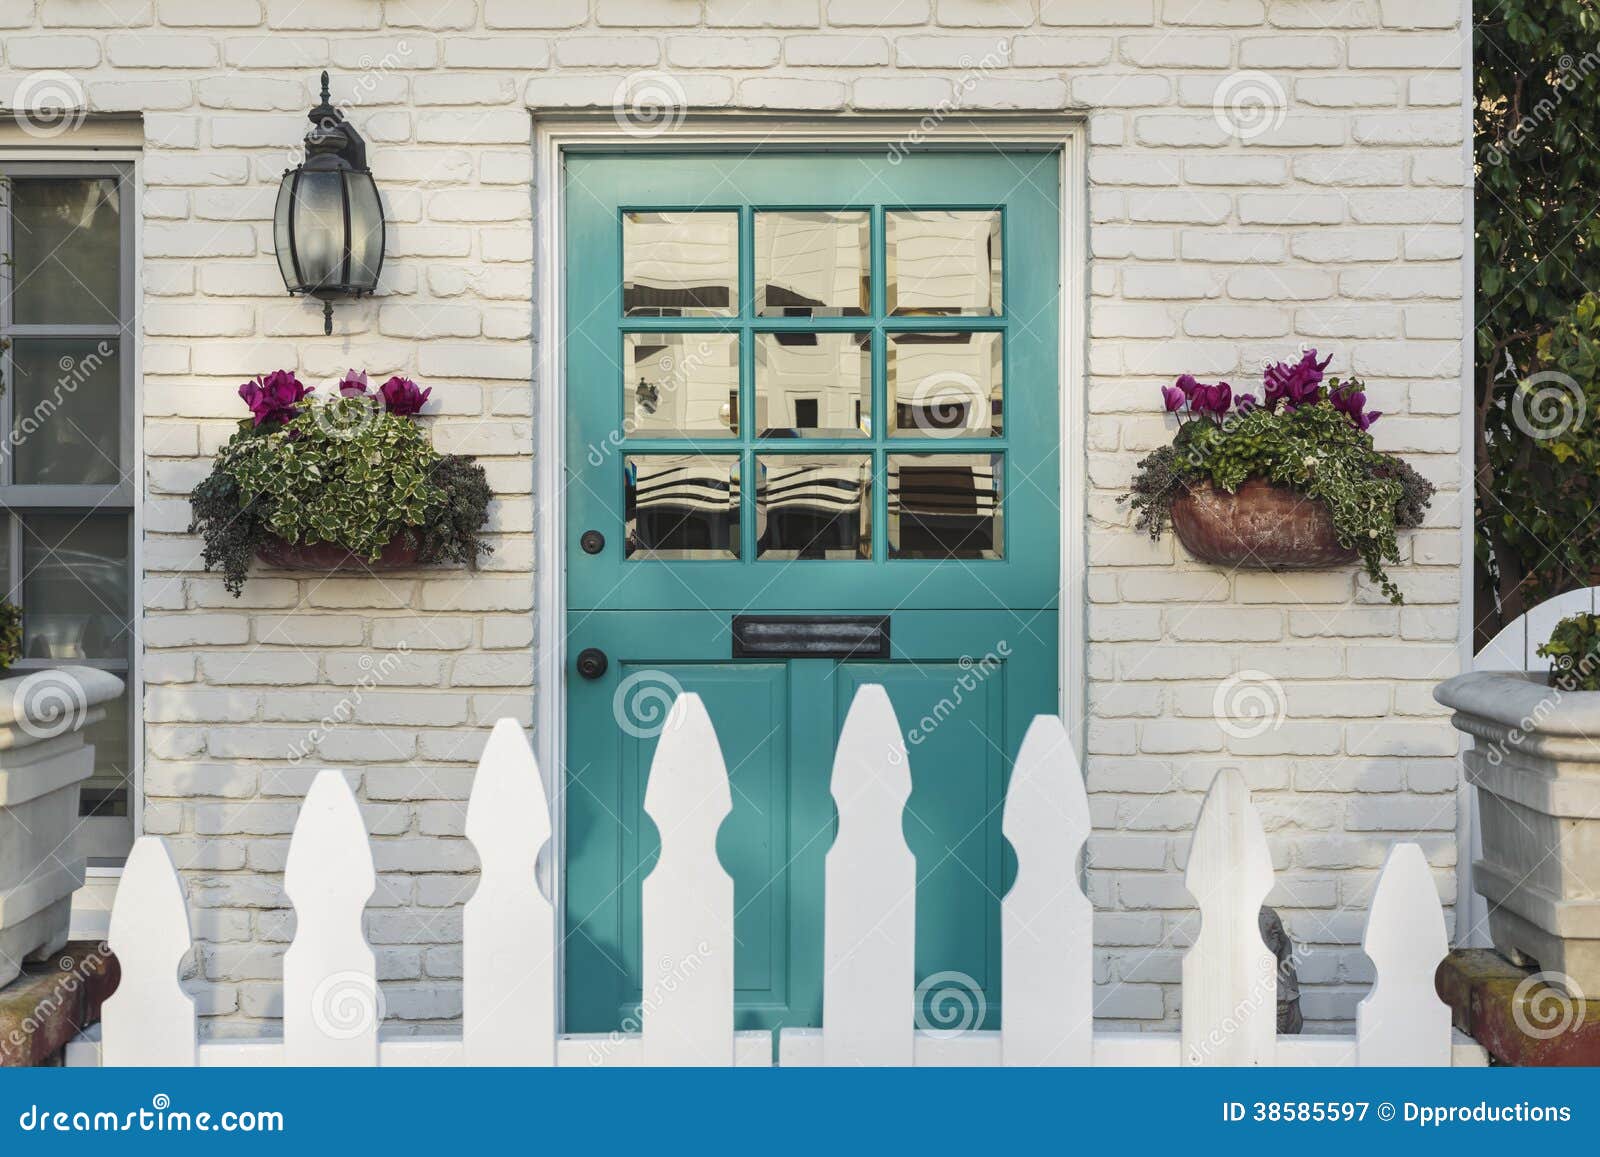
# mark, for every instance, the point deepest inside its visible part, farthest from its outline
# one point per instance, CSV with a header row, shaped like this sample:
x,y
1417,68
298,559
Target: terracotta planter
x,y
327,556
1262,527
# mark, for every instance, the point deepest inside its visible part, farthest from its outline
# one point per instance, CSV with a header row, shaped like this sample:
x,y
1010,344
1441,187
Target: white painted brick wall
x,y
1338,227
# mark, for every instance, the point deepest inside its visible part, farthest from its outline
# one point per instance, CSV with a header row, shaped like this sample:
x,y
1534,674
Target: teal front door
x,y
812,443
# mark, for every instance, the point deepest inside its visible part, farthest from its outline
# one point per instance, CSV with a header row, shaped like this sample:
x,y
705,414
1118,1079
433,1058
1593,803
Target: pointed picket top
x,y
1046,921
149,1020
870,898
686,1012
1402,1021
332,1006
508,932
1230,978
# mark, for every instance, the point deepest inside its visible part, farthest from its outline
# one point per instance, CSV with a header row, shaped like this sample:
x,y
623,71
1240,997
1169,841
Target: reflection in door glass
x,y
943,263
680,385
813,264
681,506
945,385
813,506
680,264
945,506
814,385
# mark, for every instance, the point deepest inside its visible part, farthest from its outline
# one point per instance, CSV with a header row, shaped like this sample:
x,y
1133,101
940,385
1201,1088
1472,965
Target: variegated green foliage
x,y
338,472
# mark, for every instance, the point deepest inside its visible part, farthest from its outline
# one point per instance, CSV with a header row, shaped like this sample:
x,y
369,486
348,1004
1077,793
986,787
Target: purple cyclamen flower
x,y
273,398
353,384
1187,384
1174,398
1244,403
1295,385
1213,399
401,396
1351,401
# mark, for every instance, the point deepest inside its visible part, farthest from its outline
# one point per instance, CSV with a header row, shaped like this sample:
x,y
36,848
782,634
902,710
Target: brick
x,y
546,14
210,13
52,52
1087,13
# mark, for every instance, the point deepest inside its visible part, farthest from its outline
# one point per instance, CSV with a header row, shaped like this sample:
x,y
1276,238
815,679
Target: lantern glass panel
x,y
281,227
366,231
319,228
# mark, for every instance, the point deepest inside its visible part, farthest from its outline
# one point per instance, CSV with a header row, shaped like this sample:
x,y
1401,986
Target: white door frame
x,y
556,135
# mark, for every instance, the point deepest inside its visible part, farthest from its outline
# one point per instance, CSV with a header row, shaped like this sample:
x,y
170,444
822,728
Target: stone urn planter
x,y
1536,764
328,556
1260,526
43,761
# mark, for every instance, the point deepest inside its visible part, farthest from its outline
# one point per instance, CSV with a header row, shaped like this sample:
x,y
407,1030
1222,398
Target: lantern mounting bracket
x,y
331,134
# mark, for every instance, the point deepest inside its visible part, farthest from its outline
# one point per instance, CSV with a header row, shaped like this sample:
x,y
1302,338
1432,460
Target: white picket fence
x,y
331,997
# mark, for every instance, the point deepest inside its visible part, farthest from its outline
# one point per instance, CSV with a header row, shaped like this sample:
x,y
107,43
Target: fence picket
x,y
149,1020
1230,979
870,894
1046,922
332,1007
508,931
687,957
1402,1021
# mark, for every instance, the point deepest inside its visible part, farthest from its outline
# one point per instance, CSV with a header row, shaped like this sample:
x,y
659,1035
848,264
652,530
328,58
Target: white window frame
x,y
91,904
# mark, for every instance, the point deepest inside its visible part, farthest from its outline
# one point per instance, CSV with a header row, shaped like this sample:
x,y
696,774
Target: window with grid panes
x,y
66,476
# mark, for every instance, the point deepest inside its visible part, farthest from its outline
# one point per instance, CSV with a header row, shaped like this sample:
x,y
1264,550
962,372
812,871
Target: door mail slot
x,y
811,636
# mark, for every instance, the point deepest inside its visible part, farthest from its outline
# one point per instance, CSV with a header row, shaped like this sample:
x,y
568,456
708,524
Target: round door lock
x,y
592,541
592,662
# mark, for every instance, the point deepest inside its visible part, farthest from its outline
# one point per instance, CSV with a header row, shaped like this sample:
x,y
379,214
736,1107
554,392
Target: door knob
x,y
592,662
592,541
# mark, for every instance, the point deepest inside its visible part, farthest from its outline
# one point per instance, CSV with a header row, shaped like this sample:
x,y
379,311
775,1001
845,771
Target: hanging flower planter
x,y
1287,481
1260,525
344,483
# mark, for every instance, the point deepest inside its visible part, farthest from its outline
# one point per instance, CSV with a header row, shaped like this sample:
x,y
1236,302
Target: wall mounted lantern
x,y
328,226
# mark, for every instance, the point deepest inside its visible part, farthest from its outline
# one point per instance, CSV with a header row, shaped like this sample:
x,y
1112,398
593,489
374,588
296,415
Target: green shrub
x,y
1537,85
1574,653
